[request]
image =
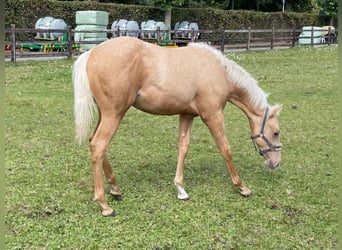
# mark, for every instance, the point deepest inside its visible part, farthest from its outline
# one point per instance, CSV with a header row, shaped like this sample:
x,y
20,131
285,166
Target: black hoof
x,y
245,192
117,197
112,214
186,199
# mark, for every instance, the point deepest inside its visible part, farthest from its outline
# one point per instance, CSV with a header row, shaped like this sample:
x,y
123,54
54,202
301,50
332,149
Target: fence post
x,y
312,36
293,37
158,35
249,38
192,35
69,42
13,44
222,41
329,36
272,39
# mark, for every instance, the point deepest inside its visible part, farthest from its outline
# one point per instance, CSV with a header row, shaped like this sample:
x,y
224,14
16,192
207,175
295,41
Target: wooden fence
x,y
17,43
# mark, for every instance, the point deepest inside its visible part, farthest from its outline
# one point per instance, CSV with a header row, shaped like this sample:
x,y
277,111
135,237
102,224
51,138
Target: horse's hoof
x,y
182,195
183,198
245,192
111,214
117,197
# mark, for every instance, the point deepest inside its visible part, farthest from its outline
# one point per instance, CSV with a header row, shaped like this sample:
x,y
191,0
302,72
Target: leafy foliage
x,y
25,13
258,5
328,7
168,4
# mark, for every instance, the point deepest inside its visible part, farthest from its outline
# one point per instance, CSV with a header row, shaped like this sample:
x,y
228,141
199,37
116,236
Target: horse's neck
x,y
241,100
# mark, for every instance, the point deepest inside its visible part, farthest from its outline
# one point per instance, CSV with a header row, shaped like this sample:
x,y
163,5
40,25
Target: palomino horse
x,y
196,80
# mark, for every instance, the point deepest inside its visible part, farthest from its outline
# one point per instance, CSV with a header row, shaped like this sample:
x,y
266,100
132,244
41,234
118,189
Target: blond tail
x,y
83,98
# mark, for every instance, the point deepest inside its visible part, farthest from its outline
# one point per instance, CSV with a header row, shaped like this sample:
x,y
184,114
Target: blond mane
x,y
238,76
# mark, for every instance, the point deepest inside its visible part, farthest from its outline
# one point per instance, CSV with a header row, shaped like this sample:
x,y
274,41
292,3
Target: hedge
x,y
25,13
242,19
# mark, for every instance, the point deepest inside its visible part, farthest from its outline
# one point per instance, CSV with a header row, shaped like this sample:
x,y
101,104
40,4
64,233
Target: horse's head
x,y
266,135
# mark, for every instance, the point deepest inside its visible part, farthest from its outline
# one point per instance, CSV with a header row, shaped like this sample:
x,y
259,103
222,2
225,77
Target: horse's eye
x,y
276,134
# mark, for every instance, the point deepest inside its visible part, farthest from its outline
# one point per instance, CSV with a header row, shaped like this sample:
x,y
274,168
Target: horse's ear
x,y
276,110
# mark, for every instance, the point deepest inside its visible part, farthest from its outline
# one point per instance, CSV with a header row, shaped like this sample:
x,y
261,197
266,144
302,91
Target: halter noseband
x,y
261,135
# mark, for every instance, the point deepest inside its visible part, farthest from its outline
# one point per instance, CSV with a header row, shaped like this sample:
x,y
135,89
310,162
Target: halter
x,y
261,135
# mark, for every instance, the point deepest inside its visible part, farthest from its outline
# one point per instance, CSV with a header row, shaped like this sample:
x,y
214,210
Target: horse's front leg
x,y
185,123
216,126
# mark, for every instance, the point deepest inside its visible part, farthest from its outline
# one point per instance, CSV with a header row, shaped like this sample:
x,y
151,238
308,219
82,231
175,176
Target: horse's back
x,y
115,54
125,53
155,79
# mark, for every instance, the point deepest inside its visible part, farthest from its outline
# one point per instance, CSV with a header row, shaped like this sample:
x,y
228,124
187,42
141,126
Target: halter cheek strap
x,y
261,135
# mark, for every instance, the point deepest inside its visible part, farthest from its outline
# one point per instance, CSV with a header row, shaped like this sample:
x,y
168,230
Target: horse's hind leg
x,y
216,127
107,169
105,131
185,123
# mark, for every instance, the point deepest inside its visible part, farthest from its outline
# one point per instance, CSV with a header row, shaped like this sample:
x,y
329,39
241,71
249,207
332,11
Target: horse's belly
x,y
161,103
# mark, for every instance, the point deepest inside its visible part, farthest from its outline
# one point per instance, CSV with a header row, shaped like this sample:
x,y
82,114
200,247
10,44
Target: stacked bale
x,y
91,20
311,32
150,27
50,23
184,29
124,27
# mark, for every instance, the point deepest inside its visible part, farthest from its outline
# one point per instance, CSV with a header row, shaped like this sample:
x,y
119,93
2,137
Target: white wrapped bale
x,y
80,36
92,17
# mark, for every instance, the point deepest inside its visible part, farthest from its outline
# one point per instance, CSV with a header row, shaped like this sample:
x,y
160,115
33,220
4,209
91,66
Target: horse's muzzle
x,y
271,164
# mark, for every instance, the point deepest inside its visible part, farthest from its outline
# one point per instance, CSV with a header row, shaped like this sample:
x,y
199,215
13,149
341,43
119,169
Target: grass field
x,y
49,188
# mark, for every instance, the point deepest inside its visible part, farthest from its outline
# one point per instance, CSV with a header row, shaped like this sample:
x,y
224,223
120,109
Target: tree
x,y
328,8
258,5
167,5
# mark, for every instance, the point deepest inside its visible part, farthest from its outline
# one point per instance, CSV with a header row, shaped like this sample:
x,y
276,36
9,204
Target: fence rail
x,y
18,45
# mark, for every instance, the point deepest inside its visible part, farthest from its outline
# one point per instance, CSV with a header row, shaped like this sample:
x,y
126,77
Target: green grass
x,y
49,188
